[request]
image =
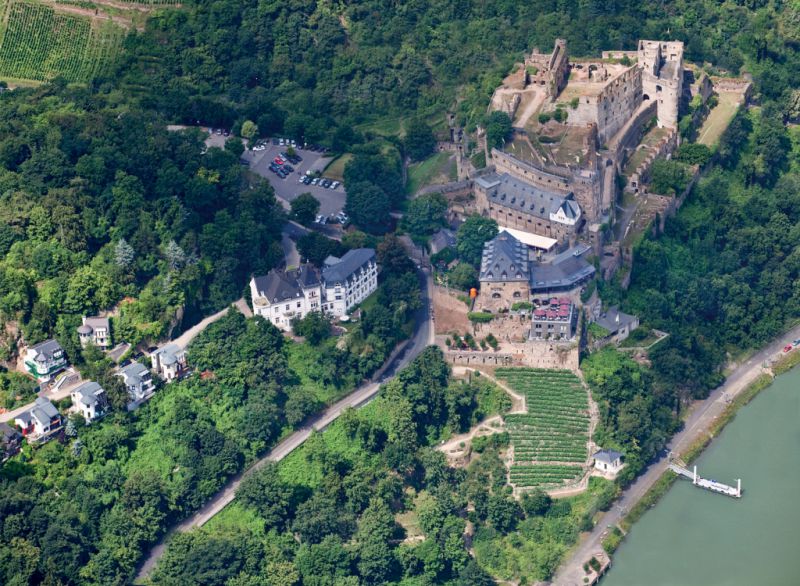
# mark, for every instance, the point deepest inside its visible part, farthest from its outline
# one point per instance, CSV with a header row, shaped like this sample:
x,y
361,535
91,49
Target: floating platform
x,y
712,485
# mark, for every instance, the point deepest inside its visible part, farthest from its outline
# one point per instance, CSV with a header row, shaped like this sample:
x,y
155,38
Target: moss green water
x,y
693,537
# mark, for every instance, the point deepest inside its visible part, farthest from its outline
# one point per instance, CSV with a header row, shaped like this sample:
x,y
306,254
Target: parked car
x,y
318,219
275,141
277,161
289,168
325,183
334,185
788,348
315,181
307,180
302,179
796,343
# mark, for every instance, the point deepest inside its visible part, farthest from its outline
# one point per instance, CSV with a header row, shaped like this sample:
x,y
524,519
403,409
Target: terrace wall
x,y
533,353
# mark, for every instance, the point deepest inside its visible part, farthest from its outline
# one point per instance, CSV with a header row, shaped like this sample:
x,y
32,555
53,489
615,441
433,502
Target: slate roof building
x,y
508,274
608,462
40,422
618,324
517,204
45,360
95,330
169,362
442,239
281,296
10,440
90,400
138,382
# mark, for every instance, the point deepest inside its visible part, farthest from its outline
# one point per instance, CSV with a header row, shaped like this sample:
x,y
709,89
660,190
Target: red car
x,y
277,161
788,348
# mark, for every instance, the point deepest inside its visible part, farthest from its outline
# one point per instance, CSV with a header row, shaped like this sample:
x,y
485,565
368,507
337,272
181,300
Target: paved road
x,y
696,425
186,337
61,393
422,337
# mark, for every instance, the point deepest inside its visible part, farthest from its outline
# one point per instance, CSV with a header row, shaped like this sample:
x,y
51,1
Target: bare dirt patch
x,y
450,313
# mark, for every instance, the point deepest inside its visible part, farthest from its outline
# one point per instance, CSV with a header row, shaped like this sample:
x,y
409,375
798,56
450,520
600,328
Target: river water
x,y
694,537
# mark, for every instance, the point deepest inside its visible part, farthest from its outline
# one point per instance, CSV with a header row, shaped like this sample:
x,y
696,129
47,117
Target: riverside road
x,y
421,338
696,425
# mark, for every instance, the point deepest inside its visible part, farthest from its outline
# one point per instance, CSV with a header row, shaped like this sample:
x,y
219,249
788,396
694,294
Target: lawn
x,y
718,119
335,169
435,169
235,516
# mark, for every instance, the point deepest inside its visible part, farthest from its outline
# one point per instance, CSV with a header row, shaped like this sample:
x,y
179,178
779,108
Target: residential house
x,y
138,382
45,360
90,400
40,422
95,330
169,362
281,296
619,325
10,441
608,462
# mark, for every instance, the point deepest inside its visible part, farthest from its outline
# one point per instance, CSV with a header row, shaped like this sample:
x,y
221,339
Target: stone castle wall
x,y
533,354
612,107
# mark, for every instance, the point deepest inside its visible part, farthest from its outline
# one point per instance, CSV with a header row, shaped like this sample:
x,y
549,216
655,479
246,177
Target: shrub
x,y
544,117
573,103
520,305
480,316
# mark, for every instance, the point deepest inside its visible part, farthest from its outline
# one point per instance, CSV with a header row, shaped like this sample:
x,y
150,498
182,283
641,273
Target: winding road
x,y
695,426
403,355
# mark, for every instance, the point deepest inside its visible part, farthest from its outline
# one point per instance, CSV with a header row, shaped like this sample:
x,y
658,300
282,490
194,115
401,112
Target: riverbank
x,y
735,542
702,424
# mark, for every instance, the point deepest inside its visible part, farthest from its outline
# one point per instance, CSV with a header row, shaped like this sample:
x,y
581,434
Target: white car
x,y
294,144
334,185
303,178
315,180
281,142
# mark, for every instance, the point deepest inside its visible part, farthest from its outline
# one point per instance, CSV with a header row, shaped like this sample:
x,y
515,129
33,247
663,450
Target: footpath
x,y
696,427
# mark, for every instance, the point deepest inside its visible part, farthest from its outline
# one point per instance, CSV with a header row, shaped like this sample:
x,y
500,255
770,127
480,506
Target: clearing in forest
x,y
550,441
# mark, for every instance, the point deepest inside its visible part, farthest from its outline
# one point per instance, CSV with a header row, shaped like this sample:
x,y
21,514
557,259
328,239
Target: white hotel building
x,y
281,296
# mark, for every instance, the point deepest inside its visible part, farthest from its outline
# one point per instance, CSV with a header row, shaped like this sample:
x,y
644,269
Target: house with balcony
x,y
45,360
138,382
10,441
282,296
95,330
169,362
40,422
90,400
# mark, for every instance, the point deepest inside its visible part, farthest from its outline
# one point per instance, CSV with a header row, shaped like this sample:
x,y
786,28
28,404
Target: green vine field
x,y
550,439
39,43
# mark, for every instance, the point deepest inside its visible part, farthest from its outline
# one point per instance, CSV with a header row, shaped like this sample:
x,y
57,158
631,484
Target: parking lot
x,y
331,200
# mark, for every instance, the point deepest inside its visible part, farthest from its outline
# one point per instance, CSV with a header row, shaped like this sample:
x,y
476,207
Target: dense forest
x,y
103,207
